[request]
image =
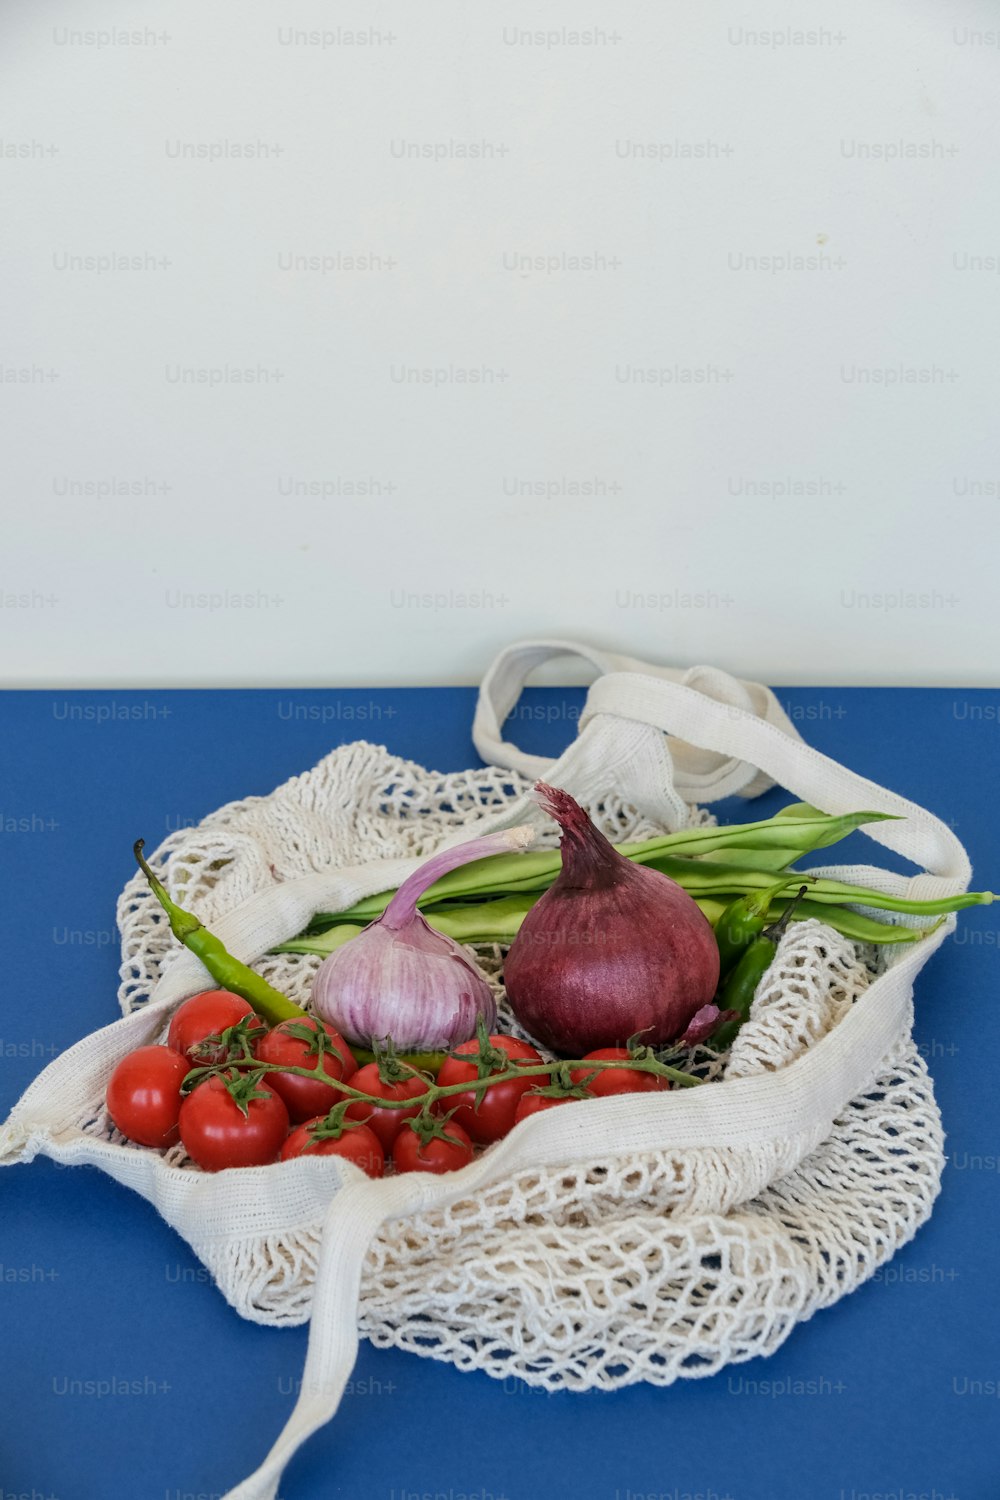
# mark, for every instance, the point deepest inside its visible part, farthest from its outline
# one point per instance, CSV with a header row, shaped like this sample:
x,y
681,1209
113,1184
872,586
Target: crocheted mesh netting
x,y
609,1271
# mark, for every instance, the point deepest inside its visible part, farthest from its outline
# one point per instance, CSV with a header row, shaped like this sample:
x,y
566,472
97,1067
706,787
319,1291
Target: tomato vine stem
x,y
436,1091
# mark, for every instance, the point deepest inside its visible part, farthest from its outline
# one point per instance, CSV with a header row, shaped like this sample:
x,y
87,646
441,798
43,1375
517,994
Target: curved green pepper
x,y
226,970
743,920
741,986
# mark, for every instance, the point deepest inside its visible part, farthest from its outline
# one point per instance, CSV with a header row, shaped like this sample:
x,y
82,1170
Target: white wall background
x,y
804,490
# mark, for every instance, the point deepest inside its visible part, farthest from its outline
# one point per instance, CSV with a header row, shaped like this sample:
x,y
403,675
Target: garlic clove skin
x,y
415,986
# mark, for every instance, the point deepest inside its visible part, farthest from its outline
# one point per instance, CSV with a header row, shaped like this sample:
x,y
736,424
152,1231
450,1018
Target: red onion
x,y
401,979
611,949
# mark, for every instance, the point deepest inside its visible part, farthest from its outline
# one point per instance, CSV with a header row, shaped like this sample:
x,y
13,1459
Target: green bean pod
x,y
796,830
498,921
854,924
699,877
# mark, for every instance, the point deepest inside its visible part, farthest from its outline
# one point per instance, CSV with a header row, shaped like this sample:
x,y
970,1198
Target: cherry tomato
x,y
607,1081
216,1133
144,1095
305,1097
438,1155
204,1015
532,1104
357,1144
384,1122
494,1115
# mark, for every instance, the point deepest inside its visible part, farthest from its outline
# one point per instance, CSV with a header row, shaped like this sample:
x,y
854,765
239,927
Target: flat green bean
x,y
499,921
699,878
795,831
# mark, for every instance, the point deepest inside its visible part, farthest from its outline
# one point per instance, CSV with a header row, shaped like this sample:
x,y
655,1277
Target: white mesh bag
x,y
643,1237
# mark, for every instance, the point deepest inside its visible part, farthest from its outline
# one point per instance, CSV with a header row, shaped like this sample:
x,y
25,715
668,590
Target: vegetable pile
x,y
625,957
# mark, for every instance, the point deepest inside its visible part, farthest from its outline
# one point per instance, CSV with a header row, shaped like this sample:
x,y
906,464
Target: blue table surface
x,y
892,1393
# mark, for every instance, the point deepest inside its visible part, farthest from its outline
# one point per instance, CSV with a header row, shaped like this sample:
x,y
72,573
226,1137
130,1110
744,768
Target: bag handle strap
x,y
812,776
710,735
698,774
356,1212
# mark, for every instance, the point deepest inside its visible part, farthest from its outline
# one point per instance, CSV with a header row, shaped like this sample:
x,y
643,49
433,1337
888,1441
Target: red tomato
x,y
144,1095
357,1144
204,1015
438,1155
494,1115
217,1134
305,1097
384,1122
532,1104
607,1081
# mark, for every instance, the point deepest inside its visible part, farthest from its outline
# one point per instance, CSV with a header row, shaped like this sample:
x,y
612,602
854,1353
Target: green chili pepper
x,y
741,986
743,920
226,970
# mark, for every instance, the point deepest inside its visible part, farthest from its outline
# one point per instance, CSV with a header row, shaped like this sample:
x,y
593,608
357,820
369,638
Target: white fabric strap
x,y
353,1218
698,774
813,777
